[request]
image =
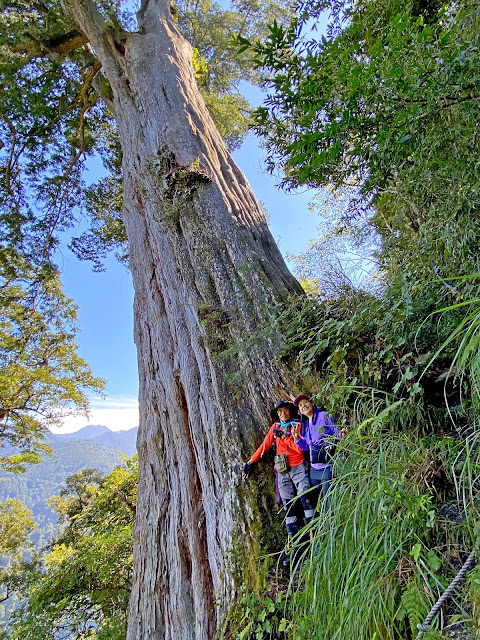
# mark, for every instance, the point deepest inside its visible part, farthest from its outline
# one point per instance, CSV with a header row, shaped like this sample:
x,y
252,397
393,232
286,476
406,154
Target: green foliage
x,y
474,595
350,107
466,359
384,544
45,124
413,606
384,112
84,585
357,345
42,378
257,618
211,29
387,107
403,505
54,114
231,114
15,526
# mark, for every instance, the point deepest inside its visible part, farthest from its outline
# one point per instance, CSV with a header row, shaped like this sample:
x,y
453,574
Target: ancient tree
x,y
207,275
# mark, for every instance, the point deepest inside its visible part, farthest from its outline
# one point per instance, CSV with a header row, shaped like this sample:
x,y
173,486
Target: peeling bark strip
x,y
205,270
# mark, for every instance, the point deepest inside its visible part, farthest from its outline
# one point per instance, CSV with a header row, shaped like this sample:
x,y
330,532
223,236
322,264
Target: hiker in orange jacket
x,y
289,464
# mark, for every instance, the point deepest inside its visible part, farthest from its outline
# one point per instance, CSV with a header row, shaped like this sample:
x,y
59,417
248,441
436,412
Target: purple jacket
x,y
314,432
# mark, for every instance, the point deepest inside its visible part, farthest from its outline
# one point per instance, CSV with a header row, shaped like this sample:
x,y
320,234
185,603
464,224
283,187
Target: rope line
x,y
425,626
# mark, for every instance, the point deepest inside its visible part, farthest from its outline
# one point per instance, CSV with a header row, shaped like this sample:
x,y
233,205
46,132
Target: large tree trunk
x,y
206,273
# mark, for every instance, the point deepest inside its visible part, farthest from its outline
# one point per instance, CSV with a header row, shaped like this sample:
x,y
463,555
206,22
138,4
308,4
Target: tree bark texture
x,y
206,272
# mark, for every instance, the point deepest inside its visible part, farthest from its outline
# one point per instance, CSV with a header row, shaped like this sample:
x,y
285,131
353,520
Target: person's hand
x,y
247,470
296,432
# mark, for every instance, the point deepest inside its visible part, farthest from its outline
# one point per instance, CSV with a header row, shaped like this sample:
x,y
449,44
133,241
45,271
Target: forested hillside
x,y
125,441
70,453
80,582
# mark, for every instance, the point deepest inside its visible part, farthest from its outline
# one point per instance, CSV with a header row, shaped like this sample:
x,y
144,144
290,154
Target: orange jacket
x,y
295,455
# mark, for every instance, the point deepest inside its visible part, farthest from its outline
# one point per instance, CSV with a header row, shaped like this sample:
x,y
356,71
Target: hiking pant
x,y
296,478
320,479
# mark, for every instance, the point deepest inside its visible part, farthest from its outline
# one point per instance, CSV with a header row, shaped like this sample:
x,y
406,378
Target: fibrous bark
x,y
206,272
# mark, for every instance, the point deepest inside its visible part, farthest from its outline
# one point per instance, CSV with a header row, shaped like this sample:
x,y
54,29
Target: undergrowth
x,y
403,504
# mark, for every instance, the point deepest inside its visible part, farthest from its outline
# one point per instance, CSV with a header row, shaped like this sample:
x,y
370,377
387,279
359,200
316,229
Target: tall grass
x,y
361,553
388,546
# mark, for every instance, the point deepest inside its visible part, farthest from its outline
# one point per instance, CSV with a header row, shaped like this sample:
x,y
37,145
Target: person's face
x,y
284,414
305,407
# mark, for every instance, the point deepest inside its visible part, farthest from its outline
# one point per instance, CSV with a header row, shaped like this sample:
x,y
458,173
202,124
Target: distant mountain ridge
x,y
88,432
125,441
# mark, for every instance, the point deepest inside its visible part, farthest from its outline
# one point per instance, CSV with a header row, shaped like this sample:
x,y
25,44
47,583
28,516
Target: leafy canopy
x,y
15,526
83,583
385,106
55,112
383,111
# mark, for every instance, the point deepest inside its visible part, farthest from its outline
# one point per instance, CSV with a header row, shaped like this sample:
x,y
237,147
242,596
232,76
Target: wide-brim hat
x,y
302,397
288,405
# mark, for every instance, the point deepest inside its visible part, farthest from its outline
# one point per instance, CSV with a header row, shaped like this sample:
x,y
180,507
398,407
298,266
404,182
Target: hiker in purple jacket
x,y
317,429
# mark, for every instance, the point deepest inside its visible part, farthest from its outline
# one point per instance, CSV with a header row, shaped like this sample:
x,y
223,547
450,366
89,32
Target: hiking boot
x,y
292,530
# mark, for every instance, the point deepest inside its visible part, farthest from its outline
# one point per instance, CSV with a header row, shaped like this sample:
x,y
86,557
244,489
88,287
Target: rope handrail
x,y
425,626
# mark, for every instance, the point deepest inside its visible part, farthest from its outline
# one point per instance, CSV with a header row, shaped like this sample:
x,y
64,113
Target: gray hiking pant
x,y
296,478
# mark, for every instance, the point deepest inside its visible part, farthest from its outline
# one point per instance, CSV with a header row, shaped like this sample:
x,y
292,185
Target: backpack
x,y
322,452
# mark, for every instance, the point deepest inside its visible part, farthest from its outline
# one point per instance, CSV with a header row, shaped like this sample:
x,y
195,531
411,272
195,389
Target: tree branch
x,y
92,24
54,47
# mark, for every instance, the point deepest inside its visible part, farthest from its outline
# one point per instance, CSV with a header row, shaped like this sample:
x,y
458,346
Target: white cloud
x,y
116,413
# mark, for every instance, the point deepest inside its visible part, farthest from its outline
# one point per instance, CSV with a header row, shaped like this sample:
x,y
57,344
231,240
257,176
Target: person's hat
x,y
302,397
289,405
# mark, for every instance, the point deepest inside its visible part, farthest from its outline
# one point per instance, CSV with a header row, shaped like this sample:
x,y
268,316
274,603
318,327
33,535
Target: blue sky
x,y
106,299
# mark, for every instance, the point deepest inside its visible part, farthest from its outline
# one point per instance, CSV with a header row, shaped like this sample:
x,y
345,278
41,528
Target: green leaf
x,y
284,623
416,551
269,604
433,560
262,615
